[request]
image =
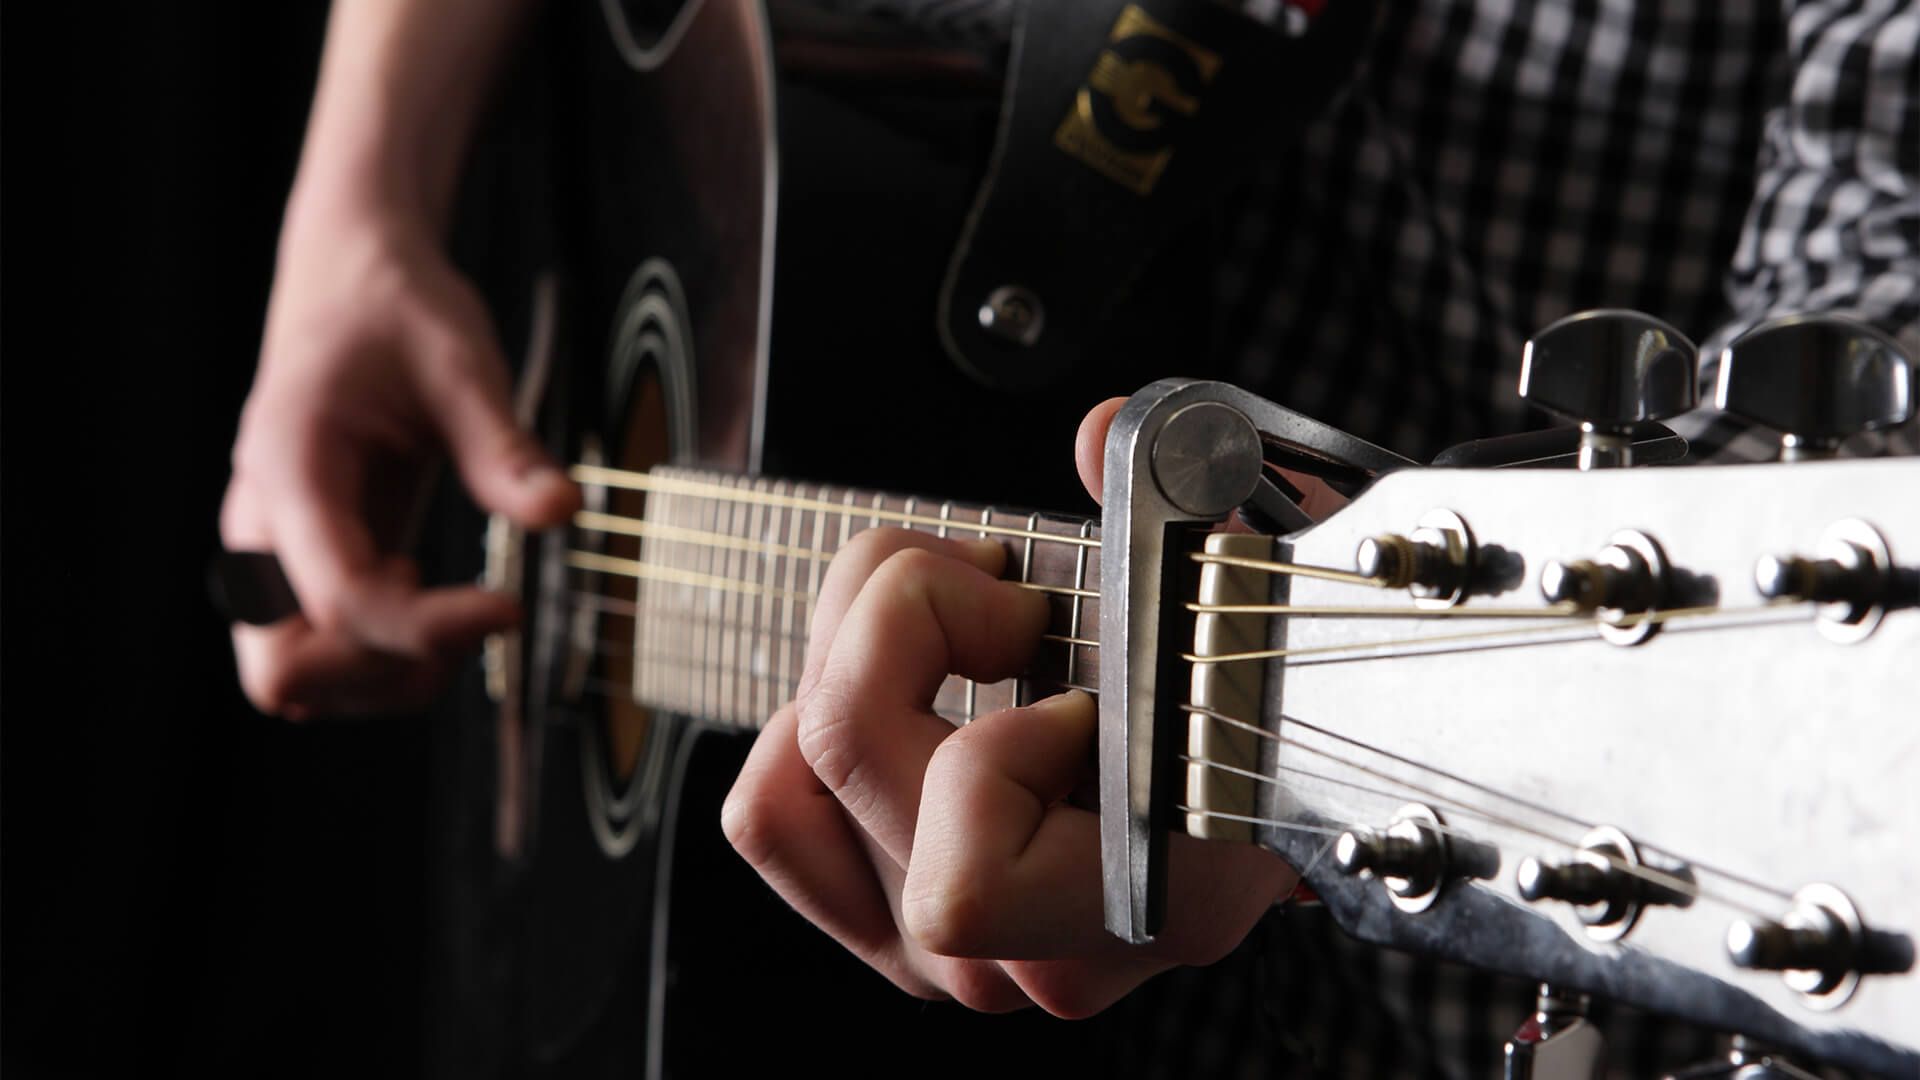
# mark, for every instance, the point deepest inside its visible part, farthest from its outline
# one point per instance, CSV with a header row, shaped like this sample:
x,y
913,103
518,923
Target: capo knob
x,y
1607,370
1816,379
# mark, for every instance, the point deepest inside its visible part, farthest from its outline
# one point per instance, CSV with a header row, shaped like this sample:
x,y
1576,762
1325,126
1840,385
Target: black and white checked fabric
x,y
1499,164
1493,166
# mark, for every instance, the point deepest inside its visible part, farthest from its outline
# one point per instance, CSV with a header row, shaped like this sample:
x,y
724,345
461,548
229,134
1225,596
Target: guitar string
x,y
633,481
1538,808
1651,874
1401,648
611,523
1669,882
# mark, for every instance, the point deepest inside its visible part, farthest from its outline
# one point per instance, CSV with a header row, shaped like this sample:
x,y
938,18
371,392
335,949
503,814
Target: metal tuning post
x,y
1745,1060
1821,947
1851,575
1436,562
1607,370
1604,882
1626,582
1180,456
1816,379
1557,1042
1410,857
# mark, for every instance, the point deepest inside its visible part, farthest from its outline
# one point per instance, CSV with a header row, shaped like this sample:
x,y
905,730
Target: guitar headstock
x,y
1698,801
1640,733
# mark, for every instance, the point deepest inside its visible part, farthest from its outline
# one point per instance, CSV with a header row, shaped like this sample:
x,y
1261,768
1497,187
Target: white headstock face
x,y
1733,765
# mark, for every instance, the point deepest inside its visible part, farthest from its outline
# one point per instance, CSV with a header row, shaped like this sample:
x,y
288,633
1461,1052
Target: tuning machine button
x,y
1607,370
1821,947
1816,379
1625,583
1435,563
1410,856
1605,881
1850,576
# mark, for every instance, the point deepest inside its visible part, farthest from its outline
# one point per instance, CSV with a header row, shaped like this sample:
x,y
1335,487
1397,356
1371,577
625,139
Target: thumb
x,y
1090,445
504,467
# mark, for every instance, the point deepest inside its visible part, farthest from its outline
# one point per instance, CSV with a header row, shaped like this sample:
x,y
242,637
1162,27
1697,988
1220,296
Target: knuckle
x,y
751,822
944,914
827,737
981,986
1070,991
268,685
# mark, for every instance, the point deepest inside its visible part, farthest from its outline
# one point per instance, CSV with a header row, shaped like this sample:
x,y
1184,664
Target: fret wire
x,y
730,637
911,501
1070,640
605,477
684,554
1079,591
973,688
703,562
1020,688
813,589
846,522
880,503
756,521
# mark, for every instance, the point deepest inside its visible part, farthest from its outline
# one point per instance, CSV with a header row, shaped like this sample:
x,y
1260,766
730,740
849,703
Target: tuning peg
x,y
1607,370
1816,379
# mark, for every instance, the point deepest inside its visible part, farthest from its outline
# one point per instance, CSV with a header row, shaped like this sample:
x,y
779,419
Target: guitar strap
x,y
1122,121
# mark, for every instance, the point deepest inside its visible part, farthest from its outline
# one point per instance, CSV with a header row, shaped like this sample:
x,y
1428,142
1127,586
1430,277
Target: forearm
x,y
402,84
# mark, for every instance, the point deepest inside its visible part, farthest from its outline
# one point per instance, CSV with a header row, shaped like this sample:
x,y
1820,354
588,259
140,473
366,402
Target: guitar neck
x,y
727,569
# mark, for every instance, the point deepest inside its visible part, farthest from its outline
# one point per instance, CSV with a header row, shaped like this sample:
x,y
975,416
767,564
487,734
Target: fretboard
x,y
728,568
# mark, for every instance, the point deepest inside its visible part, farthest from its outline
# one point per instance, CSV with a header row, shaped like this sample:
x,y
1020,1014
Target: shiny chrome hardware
x,y
1409,856
1600,881
1821,947
1013,314
1435,563
1207,459
1557,1042
1816,379
1850,576
1607,370
1625,583
1745,1060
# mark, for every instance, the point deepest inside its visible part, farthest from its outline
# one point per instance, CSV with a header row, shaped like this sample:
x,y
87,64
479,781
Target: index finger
x,y
866,725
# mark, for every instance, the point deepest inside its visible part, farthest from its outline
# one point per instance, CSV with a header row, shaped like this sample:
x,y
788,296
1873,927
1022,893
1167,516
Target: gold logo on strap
x,y
1126,116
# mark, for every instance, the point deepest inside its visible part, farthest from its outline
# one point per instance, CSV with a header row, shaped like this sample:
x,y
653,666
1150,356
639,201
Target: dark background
x,y
191,887
188,886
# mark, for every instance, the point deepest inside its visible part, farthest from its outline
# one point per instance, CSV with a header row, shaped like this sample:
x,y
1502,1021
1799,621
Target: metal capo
x,y
1181,455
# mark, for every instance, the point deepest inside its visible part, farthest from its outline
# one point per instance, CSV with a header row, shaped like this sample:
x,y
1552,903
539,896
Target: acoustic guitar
x,y
1637,733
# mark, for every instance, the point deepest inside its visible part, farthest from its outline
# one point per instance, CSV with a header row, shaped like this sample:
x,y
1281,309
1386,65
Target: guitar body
x,y
647,318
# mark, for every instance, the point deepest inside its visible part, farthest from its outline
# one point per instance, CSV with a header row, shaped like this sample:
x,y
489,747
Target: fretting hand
x,y
949,860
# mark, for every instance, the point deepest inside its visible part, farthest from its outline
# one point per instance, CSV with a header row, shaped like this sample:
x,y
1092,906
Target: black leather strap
x,y
1120,122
